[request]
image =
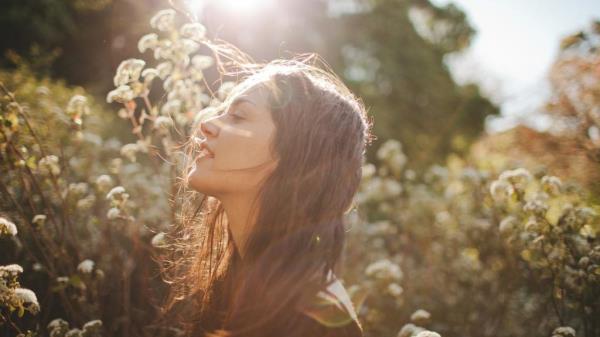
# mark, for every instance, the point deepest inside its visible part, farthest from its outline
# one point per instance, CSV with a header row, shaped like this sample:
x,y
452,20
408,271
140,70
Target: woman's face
x,y
240,139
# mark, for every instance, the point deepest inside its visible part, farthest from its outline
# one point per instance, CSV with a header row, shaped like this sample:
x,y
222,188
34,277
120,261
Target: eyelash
x,y
235,117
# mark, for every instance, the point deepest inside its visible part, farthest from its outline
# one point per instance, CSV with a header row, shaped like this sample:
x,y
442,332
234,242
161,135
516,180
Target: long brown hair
x,y
322,131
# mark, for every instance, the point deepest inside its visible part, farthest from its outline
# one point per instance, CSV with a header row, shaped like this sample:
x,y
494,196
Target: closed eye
x,y
235,116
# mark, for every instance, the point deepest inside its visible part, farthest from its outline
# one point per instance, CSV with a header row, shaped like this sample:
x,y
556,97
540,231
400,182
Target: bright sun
x,y
244,7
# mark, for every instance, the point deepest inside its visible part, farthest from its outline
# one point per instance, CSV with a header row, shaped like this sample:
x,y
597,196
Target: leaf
x,y
526,255
554,212
76,281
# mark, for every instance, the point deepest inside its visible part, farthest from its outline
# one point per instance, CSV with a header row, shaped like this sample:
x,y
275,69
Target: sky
x,y
515,44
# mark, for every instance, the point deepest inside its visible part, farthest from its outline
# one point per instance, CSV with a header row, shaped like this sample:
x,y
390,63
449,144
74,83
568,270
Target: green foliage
x,y
574,81
483,256
390,52
464,249
393,55
61,181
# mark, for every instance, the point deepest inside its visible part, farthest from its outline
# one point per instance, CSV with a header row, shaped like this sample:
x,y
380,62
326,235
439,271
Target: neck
x,y
238,208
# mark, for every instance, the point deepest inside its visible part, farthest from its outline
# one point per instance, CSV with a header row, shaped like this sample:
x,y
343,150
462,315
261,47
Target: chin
x,y
192,179
200,183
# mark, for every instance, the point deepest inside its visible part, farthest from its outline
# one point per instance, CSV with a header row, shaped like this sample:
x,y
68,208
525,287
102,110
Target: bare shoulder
x,y
333,309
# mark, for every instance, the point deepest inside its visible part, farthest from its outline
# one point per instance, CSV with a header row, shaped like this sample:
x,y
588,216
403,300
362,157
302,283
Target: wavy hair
x,y
322,131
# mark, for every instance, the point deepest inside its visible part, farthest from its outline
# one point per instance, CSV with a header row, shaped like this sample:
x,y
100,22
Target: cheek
x,y
239,152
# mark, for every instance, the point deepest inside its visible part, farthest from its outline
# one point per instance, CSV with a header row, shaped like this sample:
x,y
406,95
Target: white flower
x,y
437,172
121,94
39,220
586,213
163,20
86,203
162,124
388,149
516,174
164,50
391,153
57,324
518,177
172,107
142,145
104,182
164,69
551,184
564,331
78,106
7,227
225,89
536,207
202,61
113,213
168,84
148,41
395,289
428,333
128,71
74,333
384,269
129,151
420,316
188,46
43,91
149,74
11,269
195,31
408,330
92,325
116,193
49,165
28,296
78,188
500,189
368,170
86,266
507,224
391,188
158,240
62,280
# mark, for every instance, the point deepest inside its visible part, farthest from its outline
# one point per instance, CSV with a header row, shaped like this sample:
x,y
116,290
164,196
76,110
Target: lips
x,y
204,148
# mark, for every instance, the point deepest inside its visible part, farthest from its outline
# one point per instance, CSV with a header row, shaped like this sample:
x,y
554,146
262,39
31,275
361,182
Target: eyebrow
x,y
240,100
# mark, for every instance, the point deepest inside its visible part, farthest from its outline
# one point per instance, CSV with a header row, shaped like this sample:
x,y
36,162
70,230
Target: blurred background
x,y
460,92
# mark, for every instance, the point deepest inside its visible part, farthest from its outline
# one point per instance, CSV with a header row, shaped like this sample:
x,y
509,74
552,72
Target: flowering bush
x,y
59,161
484,252
461,249
89,202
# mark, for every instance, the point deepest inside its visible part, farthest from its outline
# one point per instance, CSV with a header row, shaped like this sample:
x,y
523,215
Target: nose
x,y
208,128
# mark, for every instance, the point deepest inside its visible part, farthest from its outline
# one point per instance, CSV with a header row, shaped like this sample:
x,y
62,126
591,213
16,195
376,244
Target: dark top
x,y
331,314
311,327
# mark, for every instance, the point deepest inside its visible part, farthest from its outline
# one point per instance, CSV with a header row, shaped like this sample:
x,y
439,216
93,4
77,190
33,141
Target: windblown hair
x,y
322,131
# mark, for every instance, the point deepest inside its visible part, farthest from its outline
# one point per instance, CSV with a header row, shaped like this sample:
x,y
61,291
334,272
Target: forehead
x,y
256,97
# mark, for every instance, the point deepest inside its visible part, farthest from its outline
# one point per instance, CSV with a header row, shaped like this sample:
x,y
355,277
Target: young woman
x,y
272,174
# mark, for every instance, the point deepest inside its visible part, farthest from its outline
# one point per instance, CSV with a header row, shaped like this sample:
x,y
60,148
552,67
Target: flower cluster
x,y
12,296
458,228
58,327
179,66
7,227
